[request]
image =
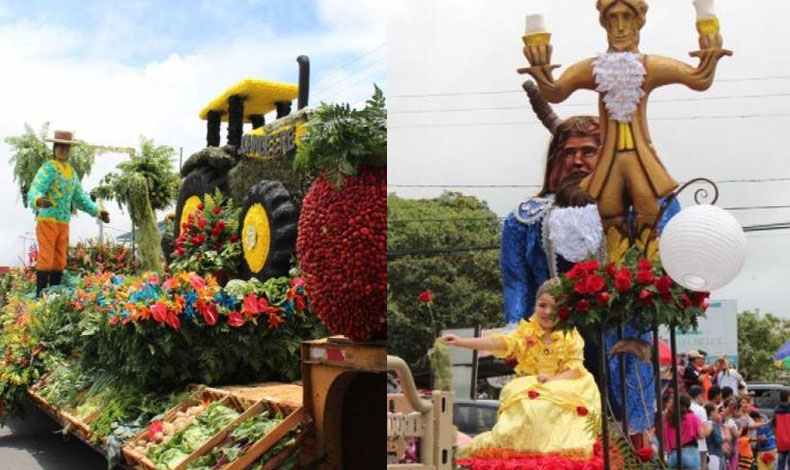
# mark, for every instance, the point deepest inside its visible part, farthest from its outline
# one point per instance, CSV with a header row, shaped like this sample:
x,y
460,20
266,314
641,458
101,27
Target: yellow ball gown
x,y
542,418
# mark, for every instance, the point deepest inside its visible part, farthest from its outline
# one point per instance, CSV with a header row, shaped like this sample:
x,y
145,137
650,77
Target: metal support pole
x,y
659,402
676,393
604,387
180,158
473,390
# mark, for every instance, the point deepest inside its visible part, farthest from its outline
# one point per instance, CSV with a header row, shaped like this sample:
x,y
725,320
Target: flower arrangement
x,y
92,257
208,240
632,290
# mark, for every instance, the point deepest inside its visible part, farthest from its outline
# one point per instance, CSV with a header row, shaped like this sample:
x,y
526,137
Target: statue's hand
x,y
538,55
710,41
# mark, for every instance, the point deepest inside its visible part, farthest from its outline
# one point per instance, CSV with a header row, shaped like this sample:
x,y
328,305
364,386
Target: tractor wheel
x,y
267,226
196,185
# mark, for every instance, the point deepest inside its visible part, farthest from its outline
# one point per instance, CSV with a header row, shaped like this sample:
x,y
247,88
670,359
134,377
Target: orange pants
x,y
53,245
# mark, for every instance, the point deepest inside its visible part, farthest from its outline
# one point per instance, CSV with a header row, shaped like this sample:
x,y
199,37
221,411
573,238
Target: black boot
x,y
55,277
42,278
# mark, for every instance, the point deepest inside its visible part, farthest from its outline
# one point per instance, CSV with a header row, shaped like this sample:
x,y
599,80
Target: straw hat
x,y
693,354
64,137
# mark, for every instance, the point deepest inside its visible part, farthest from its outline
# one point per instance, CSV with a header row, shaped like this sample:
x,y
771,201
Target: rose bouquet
x,y
634,290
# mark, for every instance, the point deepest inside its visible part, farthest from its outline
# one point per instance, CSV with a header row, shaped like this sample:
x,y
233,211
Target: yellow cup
x,y
536,39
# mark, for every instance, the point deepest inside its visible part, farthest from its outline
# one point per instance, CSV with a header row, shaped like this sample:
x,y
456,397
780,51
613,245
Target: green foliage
x,y
155,164
29,151
466,285
148,237
340,140
759,337
94,257
442,366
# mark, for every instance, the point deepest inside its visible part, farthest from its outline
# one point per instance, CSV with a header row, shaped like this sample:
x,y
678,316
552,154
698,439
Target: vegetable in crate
x,y
342,241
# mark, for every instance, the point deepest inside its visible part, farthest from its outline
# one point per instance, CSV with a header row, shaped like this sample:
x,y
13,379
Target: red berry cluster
x,y
342,251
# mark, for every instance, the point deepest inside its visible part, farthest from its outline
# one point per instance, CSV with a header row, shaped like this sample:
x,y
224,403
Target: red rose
x,y
425,296
663,284
580,286
533,394
180,251
645,297
603,298
645,277
216,209
218,245
666,296
622,279
235,319
592,265
700,299
645,265
200,206
582,411
583,306
234,239
645,454
201,223
577,271
563,313
595,284
685,302
611,269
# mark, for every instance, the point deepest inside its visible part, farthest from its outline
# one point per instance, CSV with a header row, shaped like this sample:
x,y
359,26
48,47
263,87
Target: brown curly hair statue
x,y
639,6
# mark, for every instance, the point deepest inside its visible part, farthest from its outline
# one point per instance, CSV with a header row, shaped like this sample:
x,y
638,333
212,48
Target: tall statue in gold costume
x,y
629,172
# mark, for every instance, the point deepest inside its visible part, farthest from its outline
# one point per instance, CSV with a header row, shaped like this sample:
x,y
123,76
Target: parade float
x,y
632,279
258,342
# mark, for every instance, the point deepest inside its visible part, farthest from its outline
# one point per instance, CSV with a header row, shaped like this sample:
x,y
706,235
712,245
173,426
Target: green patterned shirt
x,y
59,182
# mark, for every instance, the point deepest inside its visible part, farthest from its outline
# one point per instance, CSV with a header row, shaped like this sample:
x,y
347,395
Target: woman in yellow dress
x,y
546,409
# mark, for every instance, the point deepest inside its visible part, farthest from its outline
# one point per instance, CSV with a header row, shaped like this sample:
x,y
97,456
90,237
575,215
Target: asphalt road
x,y
35,443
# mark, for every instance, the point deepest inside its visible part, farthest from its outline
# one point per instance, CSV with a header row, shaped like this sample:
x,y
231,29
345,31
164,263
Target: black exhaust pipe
x,y
304,81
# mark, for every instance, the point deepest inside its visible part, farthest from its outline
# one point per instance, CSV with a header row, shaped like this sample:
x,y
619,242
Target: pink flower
x,y
197,282
159,312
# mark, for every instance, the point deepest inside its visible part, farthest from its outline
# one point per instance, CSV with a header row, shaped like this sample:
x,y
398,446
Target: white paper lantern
x,y
702,248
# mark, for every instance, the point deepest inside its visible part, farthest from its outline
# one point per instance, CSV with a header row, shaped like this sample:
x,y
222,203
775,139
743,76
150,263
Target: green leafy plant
x,y
340,140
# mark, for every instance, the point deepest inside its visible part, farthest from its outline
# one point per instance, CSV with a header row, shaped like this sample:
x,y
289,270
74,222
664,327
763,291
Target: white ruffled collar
x,y
619,75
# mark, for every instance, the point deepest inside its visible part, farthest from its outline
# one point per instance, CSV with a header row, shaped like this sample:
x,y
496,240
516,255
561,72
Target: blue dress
x,y
524,266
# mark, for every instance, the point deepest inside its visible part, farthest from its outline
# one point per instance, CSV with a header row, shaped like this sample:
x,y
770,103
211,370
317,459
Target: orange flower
x,y
275,320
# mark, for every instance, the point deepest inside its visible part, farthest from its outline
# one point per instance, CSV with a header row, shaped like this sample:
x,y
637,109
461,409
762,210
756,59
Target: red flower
x,y
645,454
301,303
275,320
611,269
154,429
577,271
581,286
685,302
582,411
264,307
595,284
250,305
210,315
700,299
645,297
114,320
201,223
159,312
663,284
235,319
197,282
592,265
583,306
645,265
180,251
200,206
603,298
645,277
563,313
173,321
234,239
666,296
216,209
533,394
622,279
425,296
767,457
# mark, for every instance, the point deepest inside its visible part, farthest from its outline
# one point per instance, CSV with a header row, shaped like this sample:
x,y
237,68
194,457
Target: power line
x,y
352,61
728,181
589,105
502,92
332,88
660,118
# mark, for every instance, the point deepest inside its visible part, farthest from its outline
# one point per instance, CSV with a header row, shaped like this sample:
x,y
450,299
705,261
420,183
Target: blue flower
x,y
289,308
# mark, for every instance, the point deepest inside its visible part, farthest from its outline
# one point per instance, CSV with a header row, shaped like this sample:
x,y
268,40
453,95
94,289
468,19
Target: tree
x,y
30,151
759,337
466,285
146,182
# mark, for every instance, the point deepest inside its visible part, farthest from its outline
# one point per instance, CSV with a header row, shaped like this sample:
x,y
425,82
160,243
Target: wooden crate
x,y
203,395
294,417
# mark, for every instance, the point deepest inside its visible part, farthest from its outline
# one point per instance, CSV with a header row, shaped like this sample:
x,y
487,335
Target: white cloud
x,y
106,102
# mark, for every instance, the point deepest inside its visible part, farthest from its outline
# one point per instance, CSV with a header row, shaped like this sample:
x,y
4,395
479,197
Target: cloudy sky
x,y
113,71
457,115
